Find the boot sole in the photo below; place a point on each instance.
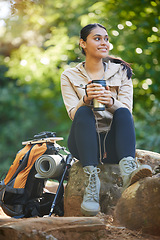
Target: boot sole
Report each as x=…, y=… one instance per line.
x=89, y=213
x=142, y=173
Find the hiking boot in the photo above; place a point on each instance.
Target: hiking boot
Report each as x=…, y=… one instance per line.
x=132, y=171
x=90, y=205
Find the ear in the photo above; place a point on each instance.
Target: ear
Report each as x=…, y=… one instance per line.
x=82, y=43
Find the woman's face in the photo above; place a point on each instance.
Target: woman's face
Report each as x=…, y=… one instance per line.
x=97, y=43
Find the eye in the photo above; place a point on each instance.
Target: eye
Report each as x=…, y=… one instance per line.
x=106, y=39
x=97, y=38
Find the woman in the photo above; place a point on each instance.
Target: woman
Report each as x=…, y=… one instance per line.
x=101, y=136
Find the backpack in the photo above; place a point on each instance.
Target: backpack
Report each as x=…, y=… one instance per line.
x=21, y=193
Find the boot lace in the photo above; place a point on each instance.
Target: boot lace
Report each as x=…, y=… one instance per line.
x=130, y=165
x=92, y=193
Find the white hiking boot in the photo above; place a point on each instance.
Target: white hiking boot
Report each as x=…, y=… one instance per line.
x=132, y=171
x=90, y=205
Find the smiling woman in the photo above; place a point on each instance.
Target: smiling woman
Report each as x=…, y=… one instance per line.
x=96, y=35
x=97, y=43
x=105, y=136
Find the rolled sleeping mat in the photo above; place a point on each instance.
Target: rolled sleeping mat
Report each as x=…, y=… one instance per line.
x=49, y=166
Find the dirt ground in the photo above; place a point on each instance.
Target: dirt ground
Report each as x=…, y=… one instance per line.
x=117, y=232
x=113, y=230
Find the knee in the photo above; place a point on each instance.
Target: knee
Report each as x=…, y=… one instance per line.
x=122, y=113
x=84, y=113
x=84, y=116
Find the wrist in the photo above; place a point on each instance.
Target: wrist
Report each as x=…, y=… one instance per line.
x=85, y=100
x=111, y=102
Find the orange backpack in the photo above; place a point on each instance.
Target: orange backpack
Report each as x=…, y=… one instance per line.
x=21, y=193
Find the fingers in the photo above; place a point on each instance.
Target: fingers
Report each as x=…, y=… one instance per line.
x=94, y=90
x=107, y=87
x=102, y=94
x=105, y=98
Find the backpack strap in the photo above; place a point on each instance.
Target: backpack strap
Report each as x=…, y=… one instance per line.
x=36, y=151
x=22, y=164
x=13, y=168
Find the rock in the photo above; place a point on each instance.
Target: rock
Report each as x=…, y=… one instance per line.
x=111, y=184
x=148, y=157
x=139, y=206
x=53, y=228
x=110, y=191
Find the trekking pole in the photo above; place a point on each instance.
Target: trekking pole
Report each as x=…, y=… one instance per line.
x=68, y=161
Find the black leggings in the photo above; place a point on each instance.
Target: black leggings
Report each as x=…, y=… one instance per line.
x=83, y=141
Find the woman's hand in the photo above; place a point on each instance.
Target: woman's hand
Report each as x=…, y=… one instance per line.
x=93, y=90
x=103, y=95
x=106, y=98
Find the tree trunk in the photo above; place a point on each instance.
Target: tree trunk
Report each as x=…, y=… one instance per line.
x=53, y=228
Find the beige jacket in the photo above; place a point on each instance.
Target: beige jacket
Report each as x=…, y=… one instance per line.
x=73, y=83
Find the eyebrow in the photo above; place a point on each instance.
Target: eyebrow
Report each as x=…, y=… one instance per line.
x=99, y=35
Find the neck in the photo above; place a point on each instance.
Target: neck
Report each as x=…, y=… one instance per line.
x=94, y=68
x=94, y=65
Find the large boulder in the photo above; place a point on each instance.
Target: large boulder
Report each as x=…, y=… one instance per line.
x=139, y=206
x=111, y=184
x=110, y=192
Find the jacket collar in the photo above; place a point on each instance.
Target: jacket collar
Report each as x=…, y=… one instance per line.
x=111, y=69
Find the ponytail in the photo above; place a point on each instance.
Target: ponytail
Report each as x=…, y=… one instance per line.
x=122, y=62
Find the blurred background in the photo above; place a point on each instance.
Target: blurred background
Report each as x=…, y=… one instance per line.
x=39, y=39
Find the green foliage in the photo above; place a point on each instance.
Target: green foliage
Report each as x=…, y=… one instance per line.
x=40, y=39
x=147, y=125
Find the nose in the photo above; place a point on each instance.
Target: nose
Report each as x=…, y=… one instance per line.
x=104, y=42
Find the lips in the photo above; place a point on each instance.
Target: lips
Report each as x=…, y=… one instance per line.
x=103, y=49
